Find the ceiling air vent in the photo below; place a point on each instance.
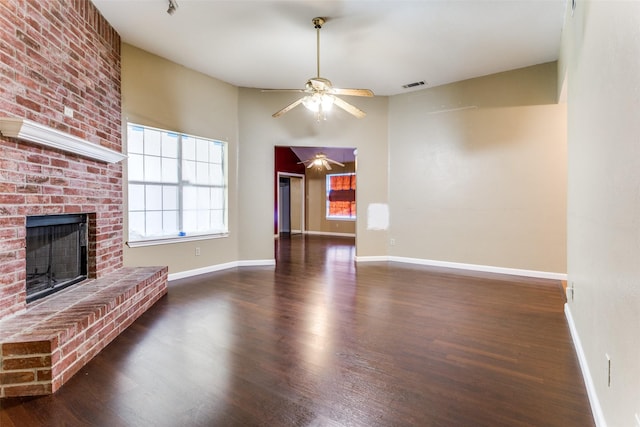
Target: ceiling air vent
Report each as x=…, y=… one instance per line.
x=414, y=84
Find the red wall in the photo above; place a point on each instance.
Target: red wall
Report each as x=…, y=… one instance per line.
x=285, y=161
x=58, y=53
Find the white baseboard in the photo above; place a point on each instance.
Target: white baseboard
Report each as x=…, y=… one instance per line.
x=218, y=267
x=256, y=262
x=596, y=409
x=371, y=258
x=328, y=233
x=462, y=266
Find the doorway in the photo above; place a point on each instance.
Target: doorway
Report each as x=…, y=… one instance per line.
x=290, y=203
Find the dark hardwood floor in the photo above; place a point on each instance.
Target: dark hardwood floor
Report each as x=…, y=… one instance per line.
x=321, y=342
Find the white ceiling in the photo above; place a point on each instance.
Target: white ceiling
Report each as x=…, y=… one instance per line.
x=379, y=45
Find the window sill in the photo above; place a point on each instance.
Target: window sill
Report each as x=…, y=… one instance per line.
x=337, y=218
x=177, y=239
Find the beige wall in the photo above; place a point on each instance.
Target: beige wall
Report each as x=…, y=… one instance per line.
x=601, y=51
x=260, y=133
x=483, y=185
x=317, y=201
x=159, y=93
x=478, y=172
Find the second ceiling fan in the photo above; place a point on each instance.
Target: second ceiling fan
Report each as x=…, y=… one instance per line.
x=320, y=160
x=320, y=93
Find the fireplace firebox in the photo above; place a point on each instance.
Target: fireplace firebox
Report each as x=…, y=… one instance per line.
x=56, y=253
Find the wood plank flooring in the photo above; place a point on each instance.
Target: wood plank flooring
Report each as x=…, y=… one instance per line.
x=320, y=341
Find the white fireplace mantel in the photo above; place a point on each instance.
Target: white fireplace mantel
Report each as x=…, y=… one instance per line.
x=44, y=135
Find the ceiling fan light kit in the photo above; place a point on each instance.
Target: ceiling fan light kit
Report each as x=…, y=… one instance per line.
x=318, y=103
x=320, y=92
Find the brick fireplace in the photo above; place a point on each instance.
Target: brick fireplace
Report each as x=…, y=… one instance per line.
x=60, y=68
x=54, y=55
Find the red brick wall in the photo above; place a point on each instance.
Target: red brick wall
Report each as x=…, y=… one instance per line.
x=57, y=53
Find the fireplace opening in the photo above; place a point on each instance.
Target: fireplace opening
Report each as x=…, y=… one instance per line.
x=56, y=247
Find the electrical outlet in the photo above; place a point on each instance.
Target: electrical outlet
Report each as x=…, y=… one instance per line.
x=392, y=242
x=608, y=369
x=198, y=251
x=68, y=112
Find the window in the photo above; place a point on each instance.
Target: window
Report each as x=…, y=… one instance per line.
x=341, y=196
x=177, y=185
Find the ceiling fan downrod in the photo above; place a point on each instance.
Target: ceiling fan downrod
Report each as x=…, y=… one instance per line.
x=317, y=24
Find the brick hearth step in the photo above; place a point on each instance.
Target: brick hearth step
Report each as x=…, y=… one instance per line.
x=41, y=348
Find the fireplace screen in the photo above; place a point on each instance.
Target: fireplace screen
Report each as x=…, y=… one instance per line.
x=56, y=253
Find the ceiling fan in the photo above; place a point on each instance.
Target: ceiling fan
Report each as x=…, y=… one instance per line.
x=320, y=93
x=320, y=160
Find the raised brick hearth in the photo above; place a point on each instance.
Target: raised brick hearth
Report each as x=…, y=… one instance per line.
x=43, y=347
x=57, y=56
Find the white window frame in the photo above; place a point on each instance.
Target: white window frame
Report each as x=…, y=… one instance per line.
x=180, y=182
x=327, y=186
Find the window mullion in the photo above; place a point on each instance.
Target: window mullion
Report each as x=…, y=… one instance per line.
x=180, y=187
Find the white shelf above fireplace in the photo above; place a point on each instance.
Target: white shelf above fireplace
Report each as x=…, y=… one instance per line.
x=40, y=134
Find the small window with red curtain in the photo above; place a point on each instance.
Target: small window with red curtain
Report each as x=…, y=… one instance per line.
x=341, y=196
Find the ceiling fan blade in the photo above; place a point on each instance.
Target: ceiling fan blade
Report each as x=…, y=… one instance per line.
x=310, y=165
x=326, y=164
x=282, y=90
x=351, y=109
x=335, y=162
x=288, y=107
x=352, y=92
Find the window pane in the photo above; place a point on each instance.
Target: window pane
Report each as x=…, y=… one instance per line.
x=170, y=222
x=189, y=171
x=135, y=139
x=136, y=225
x=152, y=169
x=189, y=221
x=136, y=197
x=217, y=219
x=170, y=145
x=169, y=198
x=202, y=173
x=169, y=170
x=153, y=198
x=217, y=198
x=203, y=220
x=204, y=198
x=152, y=142
x=217, y=177
x=202, y=150
x=154, y=223
x=188, y=148
x=215, y=153
x=189, y=198
x=135, y=167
